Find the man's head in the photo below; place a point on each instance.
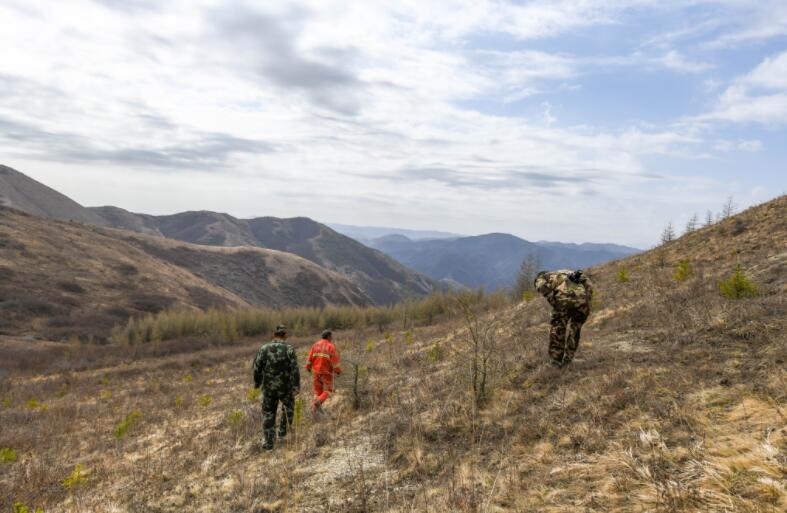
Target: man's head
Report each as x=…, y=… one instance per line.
x=281, y=331
x=326, y=334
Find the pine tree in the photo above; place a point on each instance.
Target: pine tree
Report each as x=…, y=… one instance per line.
x=728, y=209
x=708, y=218
x=668, y=234
x=526, y=276
x=691, y=225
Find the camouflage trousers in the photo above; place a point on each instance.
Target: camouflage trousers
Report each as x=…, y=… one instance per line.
x=270, y=405
x=564, y=334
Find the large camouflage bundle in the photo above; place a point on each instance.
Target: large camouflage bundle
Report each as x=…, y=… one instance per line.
x=563, y=292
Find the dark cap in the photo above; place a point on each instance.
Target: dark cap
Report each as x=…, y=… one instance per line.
x=326, y=334
x=281, y=330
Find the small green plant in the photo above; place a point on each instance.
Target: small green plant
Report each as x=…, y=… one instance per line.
x=188, y=378
x=235, y=417
x=253, y=395
x=408, y=338
x=62, y=391
x=21, y=508
x=179, y=401
x=369, y=346
x=8, y=455
x=623, y=275
x=683, y=271
x=105, y=380
x=435, y=353
x=738, y=286
x=297, y=412
x=33, y=404
x=127, y=423
x=105, y=395
x=77, y=478
x=6, y=403
x=205, y=400
x=528, y=296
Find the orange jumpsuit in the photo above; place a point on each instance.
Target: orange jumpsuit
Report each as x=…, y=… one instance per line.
x=323, y=361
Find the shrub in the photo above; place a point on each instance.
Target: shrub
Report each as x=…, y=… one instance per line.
x=683, y=271
x=205, y=400
x=408, y=338
x=297, y=412
x=6, y=403
x=179, y=401
x=21, y=508
x=33, y=404
x=253, y=395
x=738, y=286
x=369, y=346
x=623, y=275
x=435, y=353
x=235, y=417
x=528, y=296
x=8, y=455
x=188, y=378
x=77, y=478
x=127, y=423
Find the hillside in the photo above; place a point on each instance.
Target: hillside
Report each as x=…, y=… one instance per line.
x=23, y=193
x=380, y=277
x=676, y=402
x=493, y=260
x=60, y=278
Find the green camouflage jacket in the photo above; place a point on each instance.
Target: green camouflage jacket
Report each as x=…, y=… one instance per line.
x=563, y=293
x=276, y=368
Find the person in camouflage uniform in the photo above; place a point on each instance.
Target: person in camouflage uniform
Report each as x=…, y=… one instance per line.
x=276, y=372
x=569, y=293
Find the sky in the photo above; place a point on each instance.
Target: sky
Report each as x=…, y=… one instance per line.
x=569, y=120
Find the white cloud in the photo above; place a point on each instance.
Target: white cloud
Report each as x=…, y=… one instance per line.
x=759, y=96
x=359, y=112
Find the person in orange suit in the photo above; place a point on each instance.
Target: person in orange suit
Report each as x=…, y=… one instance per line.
x=323, y=363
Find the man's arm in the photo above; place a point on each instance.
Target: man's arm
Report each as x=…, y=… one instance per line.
x=335, y=360
x=310, y=360
x=258, y=367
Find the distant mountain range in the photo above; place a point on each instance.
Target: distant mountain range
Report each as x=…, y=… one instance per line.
x=385, y=265
x=491, y=261
x=367, y=234
x=379, y=278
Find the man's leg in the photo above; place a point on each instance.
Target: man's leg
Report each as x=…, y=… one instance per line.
x=317, y=392
x=574, y=331
x=288, y=411
x=270, y=403
x=557, y=336
x=327, y=387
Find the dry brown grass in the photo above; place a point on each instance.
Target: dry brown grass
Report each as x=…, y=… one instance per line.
x=676, y=402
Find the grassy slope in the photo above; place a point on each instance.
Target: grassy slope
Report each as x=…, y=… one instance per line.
x=60, y=278
x=676, y=402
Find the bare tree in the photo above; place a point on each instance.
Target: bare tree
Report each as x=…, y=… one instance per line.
x=527, y=274
x=691, y=225
x=482, y=349
x=728, y=209
x=668, y=234
x=708, y=218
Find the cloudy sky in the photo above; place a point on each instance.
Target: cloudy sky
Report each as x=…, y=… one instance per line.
x=575, y=120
